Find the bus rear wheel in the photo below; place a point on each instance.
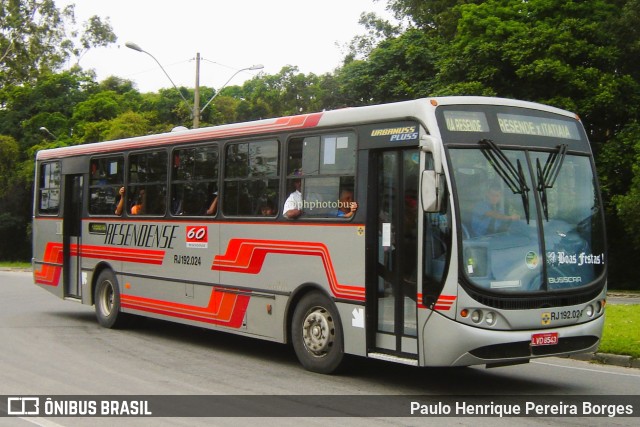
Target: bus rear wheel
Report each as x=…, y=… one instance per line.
x=317, y=334
x=107, y=301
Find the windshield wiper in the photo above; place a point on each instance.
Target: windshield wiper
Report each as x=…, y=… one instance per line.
x=512, y=176
x=547, y=176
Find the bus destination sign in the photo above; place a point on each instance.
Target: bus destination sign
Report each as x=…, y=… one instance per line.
x=466, y=121
x=538, y=126
x=515, y=124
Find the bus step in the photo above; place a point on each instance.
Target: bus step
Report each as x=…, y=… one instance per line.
x=75, y=299
x=395, y=359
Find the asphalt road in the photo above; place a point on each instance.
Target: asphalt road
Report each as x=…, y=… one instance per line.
x=55, y=347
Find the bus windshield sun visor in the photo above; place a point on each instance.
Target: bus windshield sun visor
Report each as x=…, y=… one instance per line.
x=547, y=175
x=513, y=177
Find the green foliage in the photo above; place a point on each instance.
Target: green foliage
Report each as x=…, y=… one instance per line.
x=621, y=333
x=100, y=106
x=126, y=125
x=95, y=34
x=37, y=38
x=9, y=154
x=30, y=35
x=14, y=244
x=623, y=180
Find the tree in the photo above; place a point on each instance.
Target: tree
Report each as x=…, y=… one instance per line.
x=37, y=38
x=223, y=110
x=48, y=102
x=126, y=125
x=95, y=34
x=14, y=244
x=31, y=36
x=167, y=107
x=9, y=155
x=553, y=51
x=378, y=30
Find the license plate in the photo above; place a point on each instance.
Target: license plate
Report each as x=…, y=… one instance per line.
x=549, y=338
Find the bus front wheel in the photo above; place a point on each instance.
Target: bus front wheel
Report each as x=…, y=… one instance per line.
x=317, y=334
x=107, y=301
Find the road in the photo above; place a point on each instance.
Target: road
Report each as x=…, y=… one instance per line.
x=55, y=347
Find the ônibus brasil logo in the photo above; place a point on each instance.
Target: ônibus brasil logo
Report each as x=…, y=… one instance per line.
x=197, y=236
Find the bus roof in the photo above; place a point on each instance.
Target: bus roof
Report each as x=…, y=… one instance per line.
x=413, y=109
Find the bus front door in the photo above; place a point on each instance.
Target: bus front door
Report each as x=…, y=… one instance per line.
x=72, y=235
x=392, y=291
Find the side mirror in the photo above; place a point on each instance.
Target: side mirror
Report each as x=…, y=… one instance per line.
x=431, y=144
x=431, y=191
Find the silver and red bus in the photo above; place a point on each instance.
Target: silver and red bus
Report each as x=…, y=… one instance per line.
x=476, y=236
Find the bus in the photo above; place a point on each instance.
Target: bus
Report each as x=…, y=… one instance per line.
x=445, y=231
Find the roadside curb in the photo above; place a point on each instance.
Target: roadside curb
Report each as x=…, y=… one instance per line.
x=608, y=359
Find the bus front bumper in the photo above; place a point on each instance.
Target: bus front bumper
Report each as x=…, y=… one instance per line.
x=457, y=344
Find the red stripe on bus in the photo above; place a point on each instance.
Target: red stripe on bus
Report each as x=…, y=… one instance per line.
x=246, y=256
x=224, y=308
x=145, y=256
x=445, y=302
x=49, y=275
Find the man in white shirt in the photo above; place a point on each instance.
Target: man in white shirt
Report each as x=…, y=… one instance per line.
x=293, y=205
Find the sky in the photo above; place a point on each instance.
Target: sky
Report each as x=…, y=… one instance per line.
x=229, y=35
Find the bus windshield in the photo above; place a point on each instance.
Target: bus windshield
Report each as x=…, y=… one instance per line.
x=504, y=233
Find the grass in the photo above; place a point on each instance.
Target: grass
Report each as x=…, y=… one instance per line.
x=15, y=264
x=621, y=330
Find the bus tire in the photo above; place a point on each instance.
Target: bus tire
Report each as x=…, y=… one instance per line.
x=317, y=334
x=107, y=301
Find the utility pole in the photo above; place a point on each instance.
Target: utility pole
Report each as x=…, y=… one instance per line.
x=196, y=95
x=195, y=111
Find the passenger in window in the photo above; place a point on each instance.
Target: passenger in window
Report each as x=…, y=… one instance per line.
x=138, y=207
x=268, y=209
x=95, y=174
x=176, y=206
x=347, y=207
x=120, y=205
x=293, y=205
x=213, y=208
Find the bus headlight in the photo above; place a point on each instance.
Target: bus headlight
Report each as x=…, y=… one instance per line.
x=589, y=310
x=476, y=316
x=490, y=318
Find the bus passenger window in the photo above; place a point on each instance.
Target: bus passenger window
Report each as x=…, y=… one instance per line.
x=251, y=178
x=147, y=189
x=325, y=167
x=194, y=181
x=105, y=181
x=49, y=191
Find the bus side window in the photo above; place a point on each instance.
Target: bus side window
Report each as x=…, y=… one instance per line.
x=325, y=165
x=49, y=188
x=194, y=181
x=106, y=179
x=251, y=182
x=147, y=191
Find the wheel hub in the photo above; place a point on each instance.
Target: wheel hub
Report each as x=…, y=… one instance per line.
x=318, y=331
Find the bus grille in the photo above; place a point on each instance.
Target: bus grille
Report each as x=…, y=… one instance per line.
x=532, y=302
x=524, y=349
